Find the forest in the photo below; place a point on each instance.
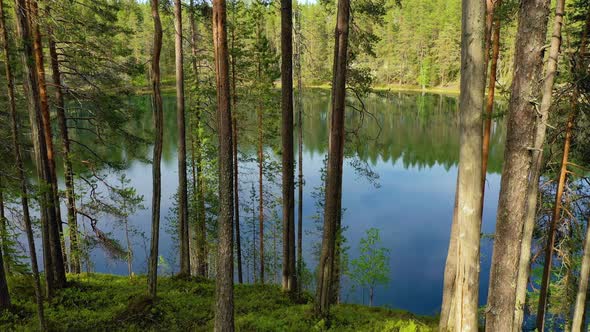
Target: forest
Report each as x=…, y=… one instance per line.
x=266, y=165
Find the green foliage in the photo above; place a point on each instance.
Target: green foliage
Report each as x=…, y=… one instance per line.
x=107, y=302
x=371, y=268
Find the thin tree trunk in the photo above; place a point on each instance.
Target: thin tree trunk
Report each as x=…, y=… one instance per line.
x=495, y=42
x=157, y=155
x=289, y=271
x=55, y=226
x=468, y=223
x=335, y=161
x=261, y=192
x=65, y=141
x=555, y=218
x=4, y=230
x=583, y=285
x=235, y=160
x=528, y=67
x=180, y=122
x=299, y=46
x=4, y=294
x=201, y=230
x=224, y=308
x=19, y=164
x=32, y=96
x=537, y=162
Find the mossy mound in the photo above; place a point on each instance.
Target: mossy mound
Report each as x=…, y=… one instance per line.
x=101, y=302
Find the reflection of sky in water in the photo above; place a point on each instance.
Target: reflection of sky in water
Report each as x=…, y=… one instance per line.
x=412, y=209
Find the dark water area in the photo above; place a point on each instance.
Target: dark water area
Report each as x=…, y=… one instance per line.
x=411, y=142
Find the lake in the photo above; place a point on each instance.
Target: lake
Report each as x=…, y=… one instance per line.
x=411, y=142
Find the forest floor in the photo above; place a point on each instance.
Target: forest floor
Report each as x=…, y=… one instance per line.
x=104, y=302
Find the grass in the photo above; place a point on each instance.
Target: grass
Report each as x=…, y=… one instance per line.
x=101, y=302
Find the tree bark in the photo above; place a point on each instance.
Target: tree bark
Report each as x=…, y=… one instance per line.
x=537, y=164
x=235, y=155
x=583, y=285
x=468, y=224
x=32, y=96
x=224, y=313
x=299, y=46
x=335, y=161
x=55, y=226
x=75, y=264
x=450, y=274
x=289, y=271
x=528, y=65
x=555, y=218
x=19, y=162
x=201, y=230
x=495, y=42
x=180, y=122
x=261, y=192
x=157, y=154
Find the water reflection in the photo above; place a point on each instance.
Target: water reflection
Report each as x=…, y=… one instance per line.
x=414, y=147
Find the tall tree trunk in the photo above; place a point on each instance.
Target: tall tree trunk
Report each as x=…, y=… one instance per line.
x=19, y=163
x=468, y=222
x=235, y=155
x=180, y=122
x=495, y=42
x=55, y=226
x=528, y=67
x=335, y=161
x=32, y=96
x=201, y=230
x=289, y=271
x=537, y=163
x=224, y=307
x=583, y=285
x=261, y=191
x=157, y=155
x=65, y=141
x=299, y=47
x=555, y=218
x=4, y=294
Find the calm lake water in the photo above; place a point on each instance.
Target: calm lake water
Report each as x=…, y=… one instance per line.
x=412, y=143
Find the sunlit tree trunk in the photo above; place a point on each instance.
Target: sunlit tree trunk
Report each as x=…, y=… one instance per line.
x=180, y=122
x=65, y=141
x=224, y=298
x=555, y=218
x=32, y=97
x=450, y=274
x=583, y=285
x=55, y=226
x=157, y=154
x=495, y=46
x=289, y=271
x=468, y=212
x=22, y=178
x=537, y=164
x=528, y=68
x=335, y=161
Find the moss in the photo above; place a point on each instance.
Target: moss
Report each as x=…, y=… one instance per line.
x=107, y=302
